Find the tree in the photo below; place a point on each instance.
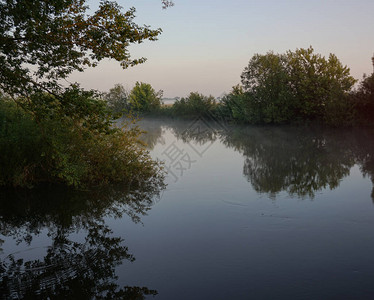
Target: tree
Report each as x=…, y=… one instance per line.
x=363, y=99
x=194, y=105
x=318, y=84
x=296, y=85
x=265, y=81
x=41, y=43
x=117, y=98
x=233, y=105
x=143, y=98
x=44, y=41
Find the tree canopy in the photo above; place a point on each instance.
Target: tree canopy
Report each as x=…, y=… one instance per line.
x=117, y=98
x=73, y=139
x=297, y=84
x=43, y=41
x=364, y=98
x=144, y=98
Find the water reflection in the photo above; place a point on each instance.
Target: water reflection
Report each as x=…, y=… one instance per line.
x=153, y=133
x=299, y=161
x=83, y=253
x=364, y=153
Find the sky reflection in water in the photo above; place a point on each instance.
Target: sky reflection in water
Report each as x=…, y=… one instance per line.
x=250, y=212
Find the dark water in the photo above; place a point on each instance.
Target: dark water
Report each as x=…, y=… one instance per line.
x=248, y=213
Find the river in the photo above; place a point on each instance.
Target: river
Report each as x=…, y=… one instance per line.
x=246, y=212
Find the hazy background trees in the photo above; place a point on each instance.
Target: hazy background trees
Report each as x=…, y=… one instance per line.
x=195, y=104
x=118, y=99
x=73, y=138
x=144, y=98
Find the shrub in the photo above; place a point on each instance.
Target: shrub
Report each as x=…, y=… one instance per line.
x=194, y=105
x=117, y=99
x=21, y=146
x=75, y=145
x=143, y=98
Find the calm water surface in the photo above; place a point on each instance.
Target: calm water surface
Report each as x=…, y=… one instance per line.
x=247, y=213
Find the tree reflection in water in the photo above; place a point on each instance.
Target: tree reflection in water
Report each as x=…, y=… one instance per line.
x=297, y=161
x=300, y=161
x=71, y=269
x=364, y=151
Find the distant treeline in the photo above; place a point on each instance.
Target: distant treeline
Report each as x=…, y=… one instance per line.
x=296, y=87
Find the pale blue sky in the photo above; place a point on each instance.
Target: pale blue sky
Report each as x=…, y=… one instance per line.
x=206, y=44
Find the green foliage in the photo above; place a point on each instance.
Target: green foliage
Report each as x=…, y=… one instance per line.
x=80, y=148
x=316, y=82
x=21, y=145
x=117, y=99
x=143, y=98
x=194, y=105
x=58, y=37
x=291, y=87
x=65, y=134
x=266, y=85
x=244, y=108
x=363, y=100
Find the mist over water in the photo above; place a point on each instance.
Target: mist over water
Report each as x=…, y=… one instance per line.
x=248, y=212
